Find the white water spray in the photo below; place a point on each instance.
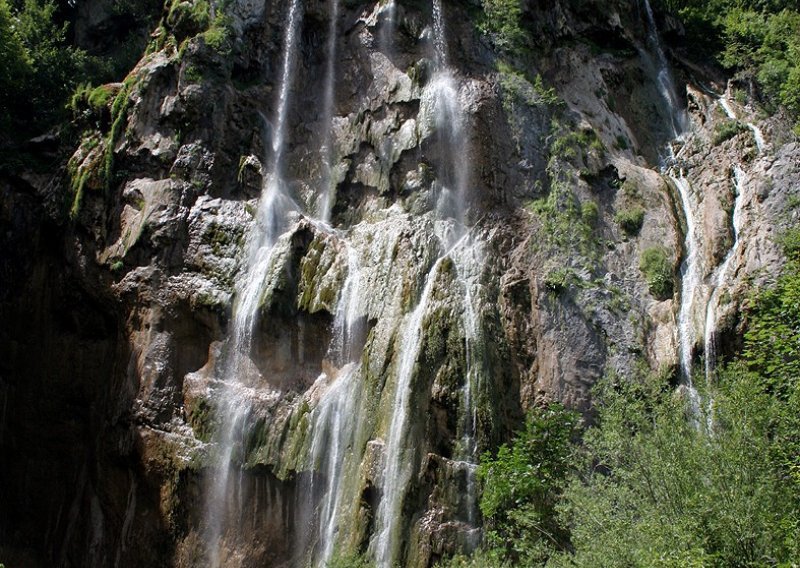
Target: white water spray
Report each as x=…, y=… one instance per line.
x=397, y=467
x=328, y=183
x=235, y=400
x=722, y=275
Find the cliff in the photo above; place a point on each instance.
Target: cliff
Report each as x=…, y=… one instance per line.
x=433, y=229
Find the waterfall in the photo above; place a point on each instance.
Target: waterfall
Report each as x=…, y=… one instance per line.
x=664, y=79
x=468, y=265
x=722, y=275
x=234, y=401
x=328, y=181
x=691, y=275
x=397, y=466
x=386, y=33
x=334, y=418
x=451, y=203
x=454, y=177
x=691, y=267
x=758, y=135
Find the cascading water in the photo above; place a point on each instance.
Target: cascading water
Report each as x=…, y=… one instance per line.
x=334, y=418
x=663, y=75
x=691, y=276
x=722, y=275
x=234, y=400
x=452, y=187
x=328, y=181
x=389, y=16
x=758, y=135
x=691, y=267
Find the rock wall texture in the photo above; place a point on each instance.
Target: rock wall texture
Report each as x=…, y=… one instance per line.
x=115, y=318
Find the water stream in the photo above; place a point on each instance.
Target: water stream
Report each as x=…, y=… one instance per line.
x=327, y=150
x=335, y=416
x=234, y=402
x=664, y=79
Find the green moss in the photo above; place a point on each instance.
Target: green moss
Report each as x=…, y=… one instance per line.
x=559, y=280
x=657, y=269
x=119, y=115
x=630, y=220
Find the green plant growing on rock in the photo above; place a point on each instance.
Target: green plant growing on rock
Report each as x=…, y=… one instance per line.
x=726, y=130
x=656, y=266
x=630, y=220
x=502, y=23
x=522, y=485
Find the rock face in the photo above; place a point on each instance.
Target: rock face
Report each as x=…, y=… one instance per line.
x=116, y=322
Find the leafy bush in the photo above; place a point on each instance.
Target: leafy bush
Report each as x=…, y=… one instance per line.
x=502, y=23
x=523, y=484
x=657, y=269
x=759, y=40
x=630, y=220
x=657, y=490
x=726, y=130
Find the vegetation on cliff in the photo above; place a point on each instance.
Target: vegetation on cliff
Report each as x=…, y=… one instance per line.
x=757, y=40
x=660, y=480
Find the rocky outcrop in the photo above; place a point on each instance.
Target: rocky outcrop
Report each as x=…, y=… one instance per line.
x=132, y=298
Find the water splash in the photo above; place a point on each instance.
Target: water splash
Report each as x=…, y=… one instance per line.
x=236, y=397
x=334, y=418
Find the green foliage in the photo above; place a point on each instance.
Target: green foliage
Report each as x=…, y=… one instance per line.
x=559, y=279
x=657, y=490
x=349, y=561
x=590, y=213
x=523, y=484
x=630, y=220
x=657, y=269
x=502, y=23
x=187, y=18
x=726, y=130
x=757, y=39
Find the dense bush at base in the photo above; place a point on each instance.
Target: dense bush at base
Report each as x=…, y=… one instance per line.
x=666, y=477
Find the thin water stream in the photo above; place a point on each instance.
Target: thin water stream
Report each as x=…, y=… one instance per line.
x=234, y=402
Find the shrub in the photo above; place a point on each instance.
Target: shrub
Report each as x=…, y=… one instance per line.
x=657, y=269
x=502, y=23
x=630, y=220
x=590, y=212
x=523, y=483
x=727, y=130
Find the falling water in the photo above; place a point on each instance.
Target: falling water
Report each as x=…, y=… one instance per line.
x=273, y=209
x=722, y=275
x=450, y=124
x=334, y=418
x=397, y=466
x=389, y=15
x=761, y=143
x=664, y=77
x=469, y=260
x=691, y=276
x=328, y=182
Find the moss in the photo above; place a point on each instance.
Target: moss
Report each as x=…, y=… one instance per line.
x=119, y=115
x=657, y=269
x=630, y=220
x=200, y=415
x=187, y=18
